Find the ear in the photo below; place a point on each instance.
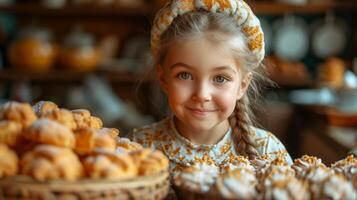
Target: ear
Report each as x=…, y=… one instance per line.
x=161, y=77
x=244, y=84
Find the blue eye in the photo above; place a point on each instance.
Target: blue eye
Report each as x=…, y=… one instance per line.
x=220, y=79
x=184, y=76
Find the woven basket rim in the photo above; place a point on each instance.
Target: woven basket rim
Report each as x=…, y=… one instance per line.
x=85, y=184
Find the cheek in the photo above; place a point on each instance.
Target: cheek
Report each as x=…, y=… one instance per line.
x=178, y=93
x=226, y=99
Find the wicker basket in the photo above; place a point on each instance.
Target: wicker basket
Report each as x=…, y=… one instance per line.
x=148, y=187
x=184, y=194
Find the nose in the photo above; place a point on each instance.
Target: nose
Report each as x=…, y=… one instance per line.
x=202, y=92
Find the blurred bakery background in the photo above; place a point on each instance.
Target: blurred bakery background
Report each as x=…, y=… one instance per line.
x=95, y=54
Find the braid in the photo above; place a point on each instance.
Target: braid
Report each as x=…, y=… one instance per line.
x=241, y=124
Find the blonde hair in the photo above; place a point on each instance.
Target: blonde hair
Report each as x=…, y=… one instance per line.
x=222, y=29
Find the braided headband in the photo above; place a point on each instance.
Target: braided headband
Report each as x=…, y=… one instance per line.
x=238, y=9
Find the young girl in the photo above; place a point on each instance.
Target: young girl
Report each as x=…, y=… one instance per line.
x=208, y=54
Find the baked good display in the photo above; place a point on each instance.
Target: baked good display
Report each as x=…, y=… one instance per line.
x=126, y=145
x=149, y=161
x=48, y=162
x=19, y=112
x=45, y=131
x=237, y=184
x=62, y=116
x=108, y=165
x=8, y=161
x=347, y=166
x=47, y=152
x=10, y=132
x=42, y=107
x=83, y=118
x=88, y=139
x=59, y=138
x=301, y=165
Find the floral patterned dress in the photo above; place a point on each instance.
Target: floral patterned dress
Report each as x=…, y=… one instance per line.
x=182, y=153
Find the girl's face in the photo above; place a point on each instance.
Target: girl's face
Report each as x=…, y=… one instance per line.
x=202, y=82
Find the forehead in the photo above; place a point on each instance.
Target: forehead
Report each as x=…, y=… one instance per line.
x=200, y=52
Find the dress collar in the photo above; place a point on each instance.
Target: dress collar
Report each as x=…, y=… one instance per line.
x=192, y=145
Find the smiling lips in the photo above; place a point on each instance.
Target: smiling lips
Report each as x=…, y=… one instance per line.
x=200, y=112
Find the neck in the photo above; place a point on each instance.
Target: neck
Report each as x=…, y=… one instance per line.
x=211, y=136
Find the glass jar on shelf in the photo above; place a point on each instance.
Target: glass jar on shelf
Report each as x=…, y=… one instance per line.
x=32, y=50
x=78, y=52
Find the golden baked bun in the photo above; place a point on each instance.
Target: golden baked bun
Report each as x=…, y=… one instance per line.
x=8, y=161
x=10, y=132
x=128, y=145
x=88, y=139
x=19, y=112
x=108, y=165
x=95, y=122
x=149, y=161
x=113, y=132
x=62, y=116
x=42, y=107
x=331, y=72
x=83, y=118
x=45, y=131
x=48, y=162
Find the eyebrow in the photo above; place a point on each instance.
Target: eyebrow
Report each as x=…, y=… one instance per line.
x=179, y=64
x=215, y=69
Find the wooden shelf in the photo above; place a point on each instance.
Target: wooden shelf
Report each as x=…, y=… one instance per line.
x=31, y=9
x=311, y=8
x=69, y=76
x=292, y=81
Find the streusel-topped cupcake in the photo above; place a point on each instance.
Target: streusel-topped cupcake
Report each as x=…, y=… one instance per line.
x=260, y=165
x=347, y=166
x=237, y=184
x=198, y=178
x=280, y=167
x=337, y=187
x=316, y=176
x=239, y=163
x=301, y=165
x=284, y=188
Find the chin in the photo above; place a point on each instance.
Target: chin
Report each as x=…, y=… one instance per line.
x=201, y=126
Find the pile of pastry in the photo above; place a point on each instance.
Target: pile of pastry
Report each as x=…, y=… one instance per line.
x=50, y=143
x=307, y=178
